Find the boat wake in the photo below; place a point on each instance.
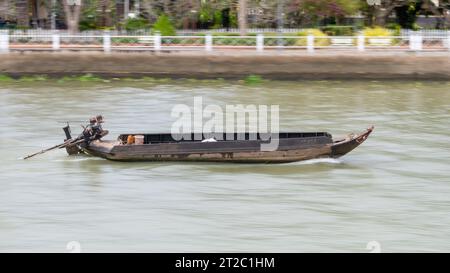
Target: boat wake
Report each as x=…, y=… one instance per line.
x=317, y=161
x=79, y=159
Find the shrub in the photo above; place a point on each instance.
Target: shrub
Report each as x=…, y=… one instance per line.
x=316, y=33
x=338, y=30
x=377, y=31
x=89, y=78
x=235, y=41
x=225, y=34
x=164, y=26
x=275, y=41
x=253, y=79
x=24, y=39
x=133, y=24
x=217, y=19
x=5, y=78
x=395, y=29
x=415, y=27
x=381, y=32
x=124, y=40
x=87, y=25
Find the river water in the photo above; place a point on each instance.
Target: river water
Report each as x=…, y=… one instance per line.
x=394, y=189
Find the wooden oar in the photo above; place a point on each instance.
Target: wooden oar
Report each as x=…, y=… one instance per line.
x=60, y=146
x=69, y=142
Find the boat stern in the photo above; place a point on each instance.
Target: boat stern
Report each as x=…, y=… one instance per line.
x=100, y=148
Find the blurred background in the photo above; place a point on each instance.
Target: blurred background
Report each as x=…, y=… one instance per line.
x=339, y=17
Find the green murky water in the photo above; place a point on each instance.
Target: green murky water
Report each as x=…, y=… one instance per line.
x=394, y=189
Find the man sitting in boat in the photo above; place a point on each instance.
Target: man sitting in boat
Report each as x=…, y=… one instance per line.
x=94, y=130
x=97, y=129
x=89, y=130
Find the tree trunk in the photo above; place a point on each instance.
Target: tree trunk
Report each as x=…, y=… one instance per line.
x=148, y=7
x=35, y=13
x=126, y=9
x=166, y=7
x=22, y=13
x=242, y=17
x=383, y=12
x=381, y=15
x=430, y=5
x=105, y=19
x=380, y=18
x=72, y=16
x=119, y=13
x=53, y=15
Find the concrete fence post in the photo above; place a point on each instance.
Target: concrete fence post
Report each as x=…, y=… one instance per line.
x=415, y=42
x=56, y=41
x=310, y=43
x=419, y=42
x=4, y=41
x=260, y=42
x=106, y=42
x=448, y=40
x=157, y=43
x=208, y=42
x=412, y=42
x=361, y=42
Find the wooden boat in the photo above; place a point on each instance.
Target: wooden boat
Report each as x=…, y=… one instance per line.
x=163, y=147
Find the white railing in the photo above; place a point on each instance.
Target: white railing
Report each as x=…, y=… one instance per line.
x=426, y=32
x=109, y=42
x=236, y=30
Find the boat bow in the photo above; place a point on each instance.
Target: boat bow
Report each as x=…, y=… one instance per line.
x=342, y=147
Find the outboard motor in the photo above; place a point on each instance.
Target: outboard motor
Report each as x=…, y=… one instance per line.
x=71, y=149
x=67, y=131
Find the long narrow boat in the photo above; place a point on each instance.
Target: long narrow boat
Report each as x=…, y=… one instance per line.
x=163, y=147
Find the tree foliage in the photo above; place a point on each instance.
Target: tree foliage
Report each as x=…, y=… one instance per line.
x=330, y=8
x=101, y=14
x=164, y=26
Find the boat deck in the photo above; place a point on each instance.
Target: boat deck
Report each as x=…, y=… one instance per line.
x=198, y=137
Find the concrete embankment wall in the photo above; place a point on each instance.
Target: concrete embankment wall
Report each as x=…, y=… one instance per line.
x=423, y=66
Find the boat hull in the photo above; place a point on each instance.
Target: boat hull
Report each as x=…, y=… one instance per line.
x=289, y=150
x=235, y=156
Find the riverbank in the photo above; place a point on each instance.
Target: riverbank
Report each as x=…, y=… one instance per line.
x=230, y=65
